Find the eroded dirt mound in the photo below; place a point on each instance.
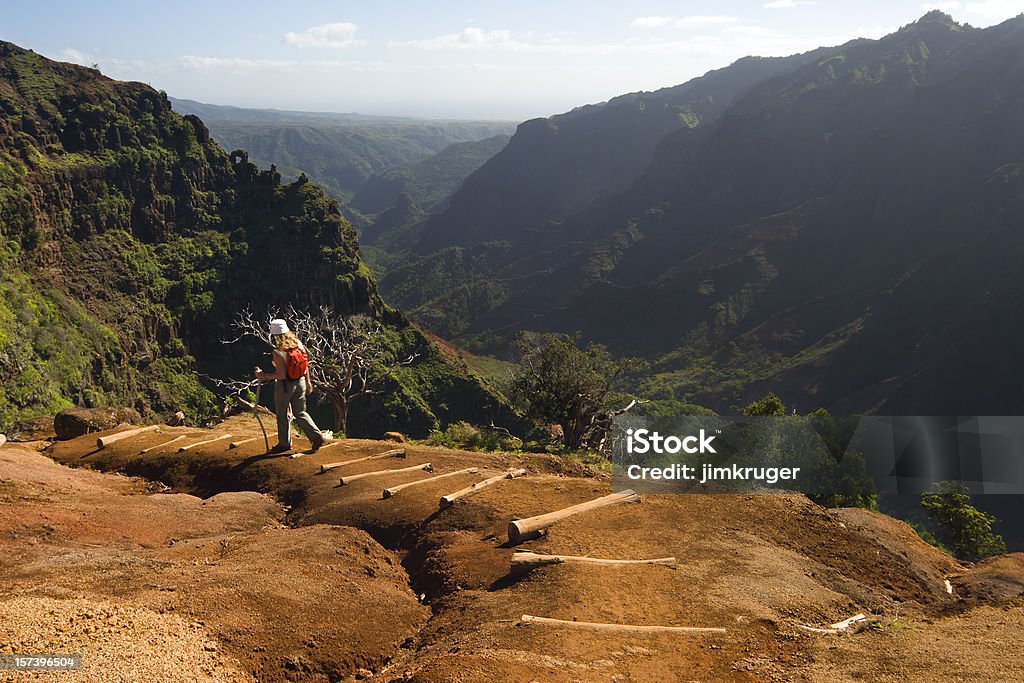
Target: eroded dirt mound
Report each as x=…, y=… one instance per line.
x=759, y=566
x=274, y=602
x=995, y=580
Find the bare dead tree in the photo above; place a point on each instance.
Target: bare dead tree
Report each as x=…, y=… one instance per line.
x=602, y=426
x=241, y=394
x=349, y=356
x=237, y=393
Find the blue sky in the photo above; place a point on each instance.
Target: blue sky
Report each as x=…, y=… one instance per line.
x=511, y=60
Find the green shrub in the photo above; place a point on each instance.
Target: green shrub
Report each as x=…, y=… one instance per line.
x=963, y=527
x=465, y=436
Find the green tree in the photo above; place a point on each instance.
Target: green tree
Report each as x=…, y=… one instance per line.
x=832, y=473
x=561, y=383
x=769, y=406
x=963, y=527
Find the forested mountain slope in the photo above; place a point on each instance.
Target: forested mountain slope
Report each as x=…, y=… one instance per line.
x=846, y=232
x=129, y=240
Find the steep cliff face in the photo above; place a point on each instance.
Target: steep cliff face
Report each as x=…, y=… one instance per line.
x=507, y=212
x=554, y=167
x=842, y=233
x=129, y=239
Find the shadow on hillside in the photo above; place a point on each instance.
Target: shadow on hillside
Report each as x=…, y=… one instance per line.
x=252, y=459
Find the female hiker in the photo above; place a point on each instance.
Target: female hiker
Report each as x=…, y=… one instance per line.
x=292, y=385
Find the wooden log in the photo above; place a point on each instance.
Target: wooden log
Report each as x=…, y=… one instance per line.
x=105, y=441
x=846, y=623
x=837, y=627
x=356, y=477
x=395, y=489
x=524, y=561
x=447, y=501
x=236, y=444
x=394, y=453
x=203, y=443
x=3, y=439
x=629, y=628
x=520, y=530
x=165, y=443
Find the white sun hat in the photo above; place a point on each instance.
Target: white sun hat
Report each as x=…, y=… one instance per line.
x=279, y=326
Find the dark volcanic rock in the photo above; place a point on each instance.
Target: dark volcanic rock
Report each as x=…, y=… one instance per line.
x=35, y=429
x=78, y=421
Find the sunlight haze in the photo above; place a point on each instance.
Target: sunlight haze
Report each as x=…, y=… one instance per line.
x=453, y=59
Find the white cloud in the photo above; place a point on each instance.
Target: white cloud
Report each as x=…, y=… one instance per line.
x=650, y=22
x=83, y=58
x=696, y=21
x=984, y=12
x=470, y=37
x=337, y=35
x=789, y=4
x=701, y=21
x=75, y=56
x=995, y=10
x=240, y=64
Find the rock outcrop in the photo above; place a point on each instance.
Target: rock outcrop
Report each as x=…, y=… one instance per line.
x=78, y=421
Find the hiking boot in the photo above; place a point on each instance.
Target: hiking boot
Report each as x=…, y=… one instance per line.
x=324, y=440
x=279, y=449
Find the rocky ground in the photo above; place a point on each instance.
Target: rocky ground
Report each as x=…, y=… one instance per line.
x=224, y=564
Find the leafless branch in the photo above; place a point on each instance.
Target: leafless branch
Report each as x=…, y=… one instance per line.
x=349, y=356
x=501, y=429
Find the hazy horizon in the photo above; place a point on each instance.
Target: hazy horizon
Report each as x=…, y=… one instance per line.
x=457, y=60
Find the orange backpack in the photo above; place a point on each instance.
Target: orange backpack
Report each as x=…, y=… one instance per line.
x=297, y=362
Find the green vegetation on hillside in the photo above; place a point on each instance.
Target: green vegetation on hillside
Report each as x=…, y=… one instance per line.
x=129, y=239
x=337, y=151
x=429, y=181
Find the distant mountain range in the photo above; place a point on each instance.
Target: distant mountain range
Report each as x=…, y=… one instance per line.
x=342, y=151
x=843, y=227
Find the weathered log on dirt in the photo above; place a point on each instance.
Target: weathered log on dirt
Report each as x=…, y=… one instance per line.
x=619, y=628
x=524, y=561
x=105, y=441
x=395, y=453
x=427, y=467
x=520, y=530
x=838, y=627
x=203, y=443
x=236, y=444
x=395, y=489
x=3, y=439
x=447, y=501
x=165, y=443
